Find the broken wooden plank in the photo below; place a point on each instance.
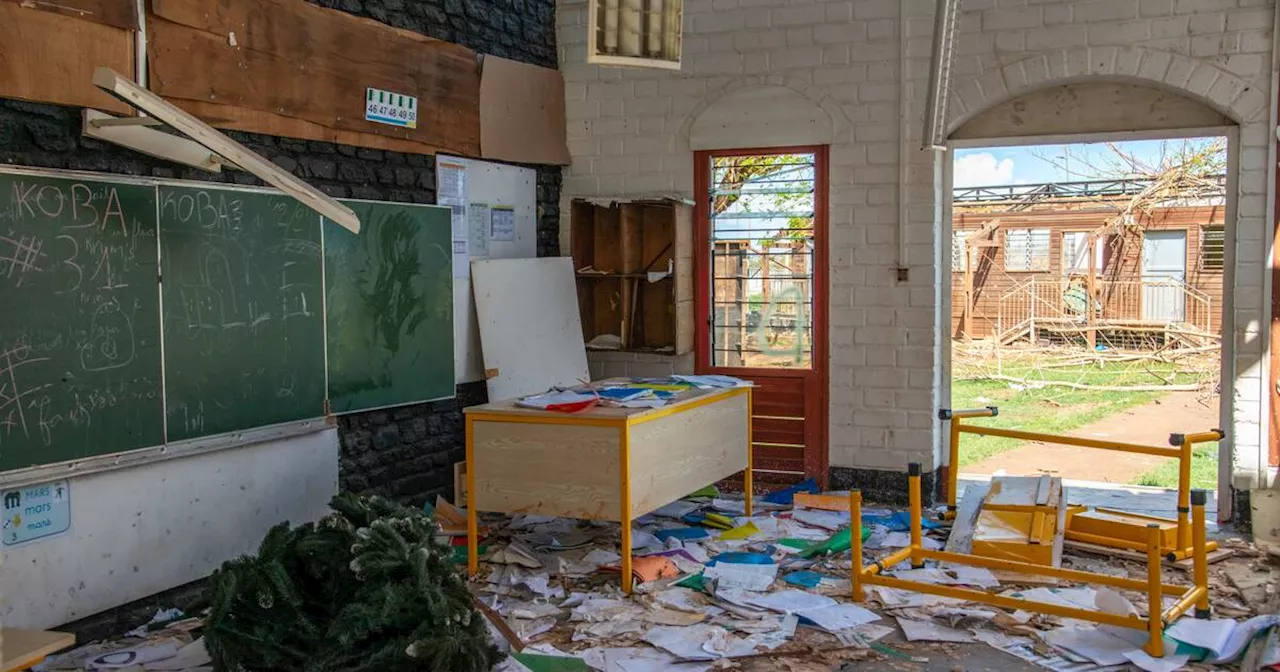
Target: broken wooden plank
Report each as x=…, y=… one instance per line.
x=291, y=58
x=50, y=58
x=124, y=88
x=21, y=649
x=115, y=13
x=1185, y=565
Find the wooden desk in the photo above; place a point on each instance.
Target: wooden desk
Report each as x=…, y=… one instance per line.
x=20, y=649
x=613, y=464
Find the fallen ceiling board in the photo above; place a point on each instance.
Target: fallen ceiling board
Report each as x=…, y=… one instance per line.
x=50, y=58
x=117, y=13
x=530, y=330
x=522, y=117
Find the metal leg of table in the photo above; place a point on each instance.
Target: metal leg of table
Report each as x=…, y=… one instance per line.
x=624, y=468
x=473, y=532
x=747, y=481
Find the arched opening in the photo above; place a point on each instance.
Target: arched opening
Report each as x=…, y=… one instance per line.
x=1018, y=242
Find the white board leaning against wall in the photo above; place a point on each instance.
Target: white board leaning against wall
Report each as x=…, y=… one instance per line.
x=495, y=216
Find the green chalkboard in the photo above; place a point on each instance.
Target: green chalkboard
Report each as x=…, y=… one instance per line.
x=243, y=310
x=79, y=320
x=389, y=293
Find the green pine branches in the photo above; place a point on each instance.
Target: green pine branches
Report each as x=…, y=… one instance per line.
x=366, y=589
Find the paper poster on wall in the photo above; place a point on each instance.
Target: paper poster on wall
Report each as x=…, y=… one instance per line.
x=461, y=259
x=451, y=190
x=503, y=223
x=478, y=224
x=35, y=512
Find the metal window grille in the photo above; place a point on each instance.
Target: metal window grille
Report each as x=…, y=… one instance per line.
x=762, y=212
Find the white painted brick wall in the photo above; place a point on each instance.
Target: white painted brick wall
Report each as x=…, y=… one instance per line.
x=627, y=137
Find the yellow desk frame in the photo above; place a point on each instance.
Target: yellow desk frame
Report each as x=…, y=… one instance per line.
x=1181, y=449
x=610, y=464
x=1196, y=595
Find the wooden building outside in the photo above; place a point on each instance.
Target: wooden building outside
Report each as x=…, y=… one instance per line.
x=1024, y=253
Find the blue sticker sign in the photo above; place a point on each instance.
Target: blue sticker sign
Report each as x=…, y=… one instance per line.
x=34, y=512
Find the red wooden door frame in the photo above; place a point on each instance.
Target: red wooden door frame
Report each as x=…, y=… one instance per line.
x=815, y=379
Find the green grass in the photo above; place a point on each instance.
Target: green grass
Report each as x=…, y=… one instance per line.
x=1204, y=471
x=1053, y=410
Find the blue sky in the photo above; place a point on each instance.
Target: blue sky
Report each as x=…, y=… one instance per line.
x=1057, y=163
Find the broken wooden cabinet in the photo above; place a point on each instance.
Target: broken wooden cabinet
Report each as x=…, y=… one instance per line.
x=634, y=262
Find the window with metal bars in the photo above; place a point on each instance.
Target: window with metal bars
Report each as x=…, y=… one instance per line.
x=1212, y=247
x=1026, y=250
x=761, y=210
x=641, y=33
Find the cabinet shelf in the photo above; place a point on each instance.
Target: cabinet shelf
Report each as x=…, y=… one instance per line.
x=634, y=238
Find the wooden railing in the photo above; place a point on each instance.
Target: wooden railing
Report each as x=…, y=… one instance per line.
x=1060, y=304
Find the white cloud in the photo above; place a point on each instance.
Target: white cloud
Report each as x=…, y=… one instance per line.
x=979, y=170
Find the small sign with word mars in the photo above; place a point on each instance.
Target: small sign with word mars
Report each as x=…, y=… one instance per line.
x=34, y=512
x=395, y=109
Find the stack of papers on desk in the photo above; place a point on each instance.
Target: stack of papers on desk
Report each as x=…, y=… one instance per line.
x=555, y=401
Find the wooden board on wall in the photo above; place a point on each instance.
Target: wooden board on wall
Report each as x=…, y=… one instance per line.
x=50, y=58
x=235, y=118
x=522, y=115
x=291, y=58
x=118, y=13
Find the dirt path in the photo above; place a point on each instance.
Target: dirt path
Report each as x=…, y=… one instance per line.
x=1149, y=424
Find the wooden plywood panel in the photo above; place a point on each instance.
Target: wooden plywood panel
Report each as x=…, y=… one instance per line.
x=20, y=649
x=117, y=13
x=294, y=59
x=530, y=331
x=659, y=329
x=256, y=121
x=50, y=58
x=557, y=470
x=522, y=114
x=677, y=454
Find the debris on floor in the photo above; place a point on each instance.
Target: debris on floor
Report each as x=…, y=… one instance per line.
x=719, y=590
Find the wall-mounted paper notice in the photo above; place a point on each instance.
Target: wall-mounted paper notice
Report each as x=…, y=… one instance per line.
x=503, y=223
x=478, y=225
x=461, y=260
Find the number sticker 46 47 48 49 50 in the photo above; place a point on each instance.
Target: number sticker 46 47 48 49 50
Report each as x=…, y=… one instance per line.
x=394, y=109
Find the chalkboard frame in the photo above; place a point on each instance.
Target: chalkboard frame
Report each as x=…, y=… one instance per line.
x=187, y=447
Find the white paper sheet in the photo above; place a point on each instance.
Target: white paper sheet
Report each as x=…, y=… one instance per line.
x=839, y=617
x=738, y=576
x=1211, y=635
x=1169, y=663
x=792, y=601
x=1097, y=645
x=928, y=631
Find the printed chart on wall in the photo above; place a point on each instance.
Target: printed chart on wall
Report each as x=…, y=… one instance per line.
x=451, y=191
x=80, y=333
x=389, y=307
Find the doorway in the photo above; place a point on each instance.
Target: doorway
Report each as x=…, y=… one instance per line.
x=1087, y=299
x=761, y=296
x=1164, y=271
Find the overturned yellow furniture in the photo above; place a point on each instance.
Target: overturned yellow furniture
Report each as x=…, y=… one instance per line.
x=1020, y=518
x=1103, y=527
x=1195, y=596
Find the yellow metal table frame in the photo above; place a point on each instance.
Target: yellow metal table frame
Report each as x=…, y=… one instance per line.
x=1196, y=595
x=1181, y=446
x=624, y=426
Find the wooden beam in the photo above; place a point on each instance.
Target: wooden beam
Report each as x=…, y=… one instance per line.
x=150, y=141
x=125, y=89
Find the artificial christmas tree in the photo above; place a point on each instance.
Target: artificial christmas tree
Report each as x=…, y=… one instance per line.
x=366, y=589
